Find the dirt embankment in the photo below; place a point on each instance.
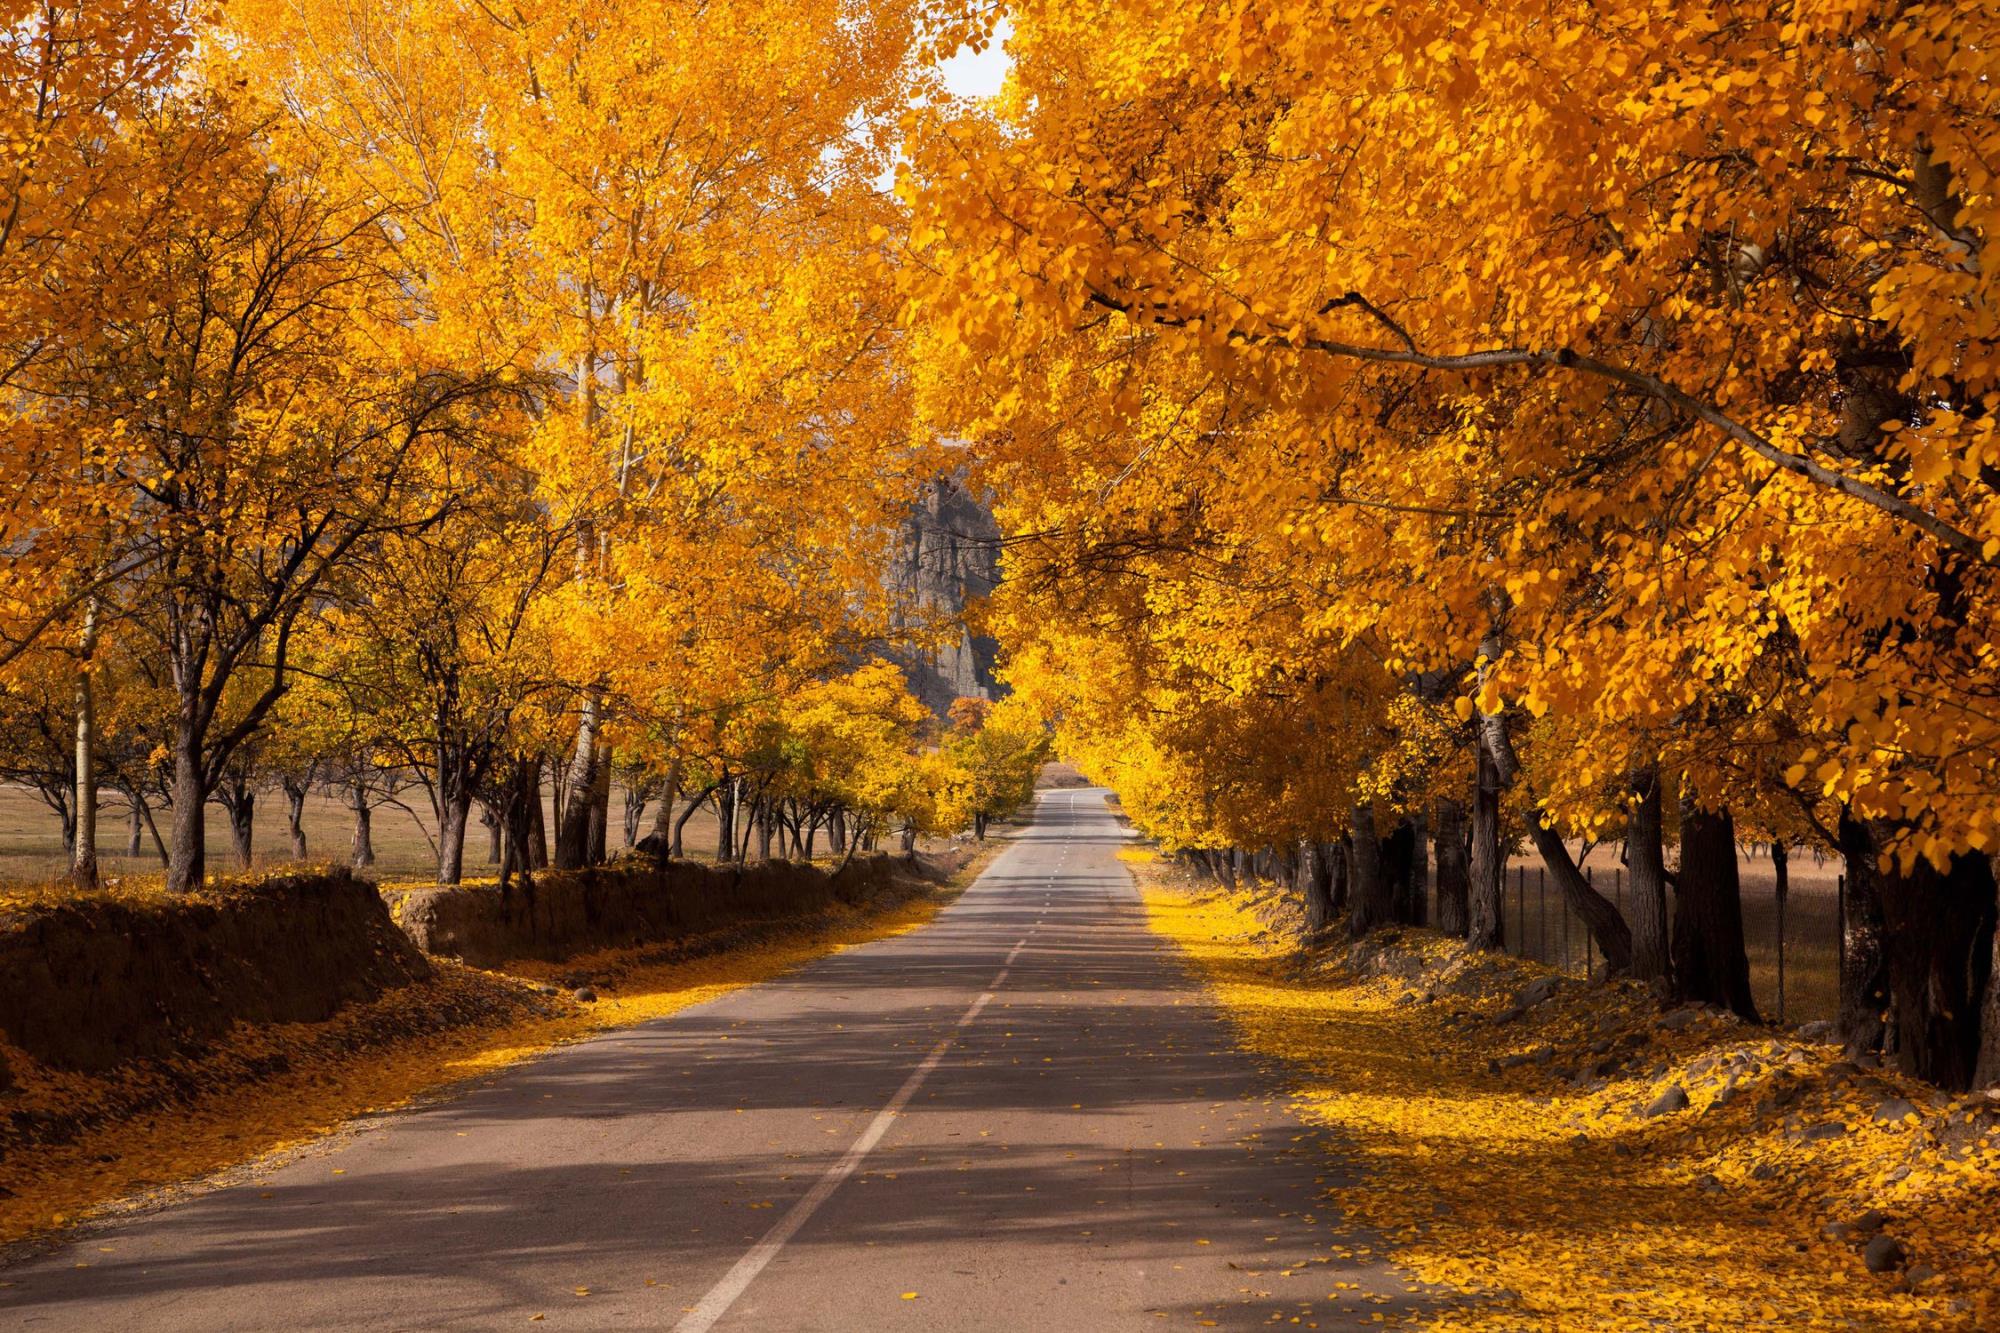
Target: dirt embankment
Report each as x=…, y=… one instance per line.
x=1501, y=1120
x=92, y=983
x=639, y=901
x=154, y=1040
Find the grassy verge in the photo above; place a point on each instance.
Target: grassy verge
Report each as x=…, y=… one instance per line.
x=1590, y=1162
x=157, y=1128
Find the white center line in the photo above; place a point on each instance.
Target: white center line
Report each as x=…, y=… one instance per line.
x=724, y=1293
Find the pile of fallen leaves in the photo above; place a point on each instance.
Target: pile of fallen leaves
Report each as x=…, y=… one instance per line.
x=1578, y=1156
x=75, y=1144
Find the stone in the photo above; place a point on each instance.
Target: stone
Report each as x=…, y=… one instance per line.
x=1868, y=1223
x=1820, y=1031
x=1919, y=1275
x=1895, y=1111
x=1679, y=1019
x=1885, y=1254
x=1670, y=1102
x=1832, y=1129
x=1539, y=991
x=1509, y=1016
x=585, y=994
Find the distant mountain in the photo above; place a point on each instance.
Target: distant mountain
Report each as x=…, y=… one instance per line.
x=949, y=554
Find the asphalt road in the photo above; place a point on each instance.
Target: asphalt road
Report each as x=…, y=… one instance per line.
x=1023, y=1117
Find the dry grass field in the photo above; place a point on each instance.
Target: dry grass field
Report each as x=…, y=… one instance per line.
x=31, y=847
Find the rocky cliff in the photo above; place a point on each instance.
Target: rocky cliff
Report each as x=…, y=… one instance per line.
x=949, y=555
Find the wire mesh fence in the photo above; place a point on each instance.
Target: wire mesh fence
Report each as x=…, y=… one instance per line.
x=1793, y=942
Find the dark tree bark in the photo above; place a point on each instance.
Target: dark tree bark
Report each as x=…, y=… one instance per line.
x=1645, y=860
x=135, y=830
x=725, y=820
x=1600, y=916
x=1710, y=965
x=453, y=819
x=490, y=820
x=238, y=796
x=1864, y=963
x=295, y=814
x=1986, y=1073
x=1413, y=897
x=520, y=801
x=361, y=853
x=574, y=820
x=1939, y=940
x=597, y=848
x=537, y=847
x=1318, y=873
x=1454, y=882
x=1381, y=871
x=1486, y=869
x=635, y=811
x=187, y=867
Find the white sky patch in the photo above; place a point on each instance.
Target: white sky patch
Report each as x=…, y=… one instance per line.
x=979, y=73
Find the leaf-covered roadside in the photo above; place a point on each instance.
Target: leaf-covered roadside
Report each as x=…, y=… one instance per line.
x=271, y=1089
x=1516, y=1159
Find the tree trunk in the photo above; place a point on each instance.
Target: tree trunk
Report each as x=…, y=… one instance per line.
x=1986, y=1074
x=979, y=825
x=1413, y=899
x=635, y=811
x=242, y=809
x=361, y=852
x=1453, y=875
x=1316, y=882
x=765, y=830
x=1375, y=869
x=725, y=820
x=83, y=848
x=187, y=859
x=295, y=814
x=135, y=831
x=1645, y=859
x=573, y=823
x=1600, y=916
x=1486, y=869
x=679, y=851
x=1939, y=936
x=1864, y=963
x=1709, y=963
x=454, y=814
x=836, y=832
x=536, y=848
x=598, y=850
x=490, y=819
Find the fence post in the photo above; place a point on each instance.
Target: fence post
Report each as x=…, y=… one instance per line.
x=1782, y=880
x=1542, y=915
x=1589, y=947
x=1840, y=927
x=1521, y=911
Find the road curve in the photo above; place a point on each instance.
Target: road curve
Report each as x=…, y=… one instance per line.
x=1024, y=1117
